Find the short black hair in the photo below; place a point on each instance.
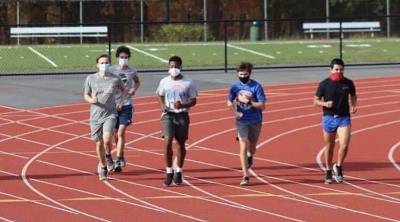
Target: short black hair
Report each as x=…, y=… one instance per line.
x=123, y=49
x=337, y=61
x=176, y=59
x=103, y=56
x=244, y=66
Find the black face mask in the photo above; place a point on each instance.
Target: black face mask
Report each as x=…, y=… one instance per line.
x=244, y=79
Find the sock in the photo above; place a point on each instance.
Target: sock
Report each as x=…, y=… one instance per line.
x=178, y=170
x=169, y=170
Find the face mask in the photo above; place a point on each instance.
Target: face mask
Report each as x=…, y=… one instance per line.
x=103, y=68
x=336, y=76
x=123, y=62
x=174, y=72
x=244, y=79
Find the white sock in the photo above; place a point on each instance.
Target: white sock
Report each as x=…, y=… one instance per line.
x=178, y=170
x=169, y=170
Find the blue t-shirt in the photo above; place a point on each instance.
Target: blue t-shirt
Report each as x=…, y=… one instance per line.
x=255, y=92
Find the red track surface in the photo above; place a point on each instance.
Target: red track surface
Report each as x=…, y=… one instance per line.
x=47, y=164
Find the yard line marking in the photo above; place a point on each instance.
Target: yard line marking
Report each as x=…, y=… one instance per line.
x=148, y=54
x=43, y=56
x=251, y=51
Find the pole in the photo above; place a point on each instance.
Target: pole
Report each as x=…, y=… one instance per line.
x=18, y=21
x=81, y=18
x=327, y=17
x=388, y=18
x=226, y=46
x=141, y=22
x=205, y=20
x=265, y=20
x=341, y=40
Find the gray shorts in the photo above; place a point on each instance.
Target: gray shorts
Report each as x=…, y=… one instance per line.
x=249, y=131
x=98, y=128
x=175, y=125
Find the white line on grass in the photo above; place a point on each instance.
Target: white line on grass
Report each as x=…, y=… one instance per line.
x=251, y=51
x=43, y=56
x=148, y=54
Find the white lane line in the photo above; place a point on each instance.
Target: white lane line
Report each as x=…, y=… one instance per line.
x=5, y=219
x=148, y=54
x=43, y=56
x=391, y=154
x=251, y=51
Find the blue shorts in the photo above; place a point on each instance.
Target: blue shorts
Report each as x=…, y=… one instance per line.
x=125, y=116
x=331, y=123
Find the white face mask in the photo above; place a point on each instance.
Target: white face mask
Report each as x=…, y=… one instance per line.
x=174, y=72
x=123, y=62
x=103, y=68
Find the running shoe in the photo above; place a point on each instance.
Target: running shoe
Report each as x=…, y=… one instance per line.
x=110, y=163
x=178, y=178
x=328, y=177
x=338, y=173
x=119, y=164
x=102, y=171
x=168, y=179
x=245, y=181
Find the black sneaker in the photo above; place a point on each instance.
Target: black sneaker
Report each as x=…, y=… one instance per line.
x=338, y=173
x=328, y=177
x=178, y=178
x=245, y=181
x=119, y=164
x=249, y=161
x=168, y=179
x=110, y=163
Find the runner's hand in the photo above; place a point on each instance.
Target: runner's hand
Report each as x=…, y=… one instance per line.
x=329, y=104
x=94, y=99
x=353, y=109
x=243, y=98
x=238, y=115
x=119, y=107
x=178, y=105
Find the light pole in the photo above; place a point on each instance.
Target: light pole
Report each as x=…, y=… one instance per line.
x=265, y=20
x=327, y=17
x=141, y=22
x=205, y=20
x=388, y=18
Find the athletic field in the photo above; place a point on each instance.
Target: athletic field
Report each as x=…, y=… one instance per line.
x=66, y=58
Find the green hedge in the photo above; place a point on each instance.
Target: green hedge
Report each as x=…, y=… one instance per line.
x=180, y=33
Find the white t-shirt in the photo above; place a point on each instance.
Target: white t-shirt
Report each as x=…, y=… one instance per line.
x=126, y=76
x=176, y=90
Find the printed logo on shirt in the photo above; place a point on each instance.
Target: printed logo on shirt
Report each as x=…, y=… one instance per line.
x=123, y=77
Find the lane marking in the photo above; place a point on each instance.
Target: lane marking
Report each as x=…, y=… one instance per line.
x=43, y=56
x=251, y=51
x=148, y=54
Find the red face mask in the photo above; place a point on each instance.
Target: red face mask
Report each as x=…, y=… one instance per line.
x=336, y=76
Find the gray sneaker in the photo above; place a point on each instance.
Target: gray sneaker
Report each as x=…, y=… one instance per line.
x=110, y=163
x=102, y=171
x=119, y=164
x=338, y=173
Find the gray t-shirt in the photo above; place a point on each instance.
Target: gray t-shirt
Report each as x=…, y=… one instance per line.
x=104, y=88
x=126, y=76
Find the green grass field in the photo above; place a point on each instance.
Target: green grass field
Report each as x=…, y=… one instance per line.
x=66, y=58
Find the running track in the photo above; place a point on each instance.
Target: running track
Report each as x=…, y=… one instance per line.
x=47, y=164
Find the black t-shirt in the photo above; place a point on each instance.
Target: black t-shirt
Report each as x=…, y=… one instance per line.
x=338, y=92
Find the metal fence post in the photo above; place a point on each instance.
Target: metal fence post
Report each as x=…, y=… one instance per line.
x=341, y=39
x=226, y=46
x=109, y=40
